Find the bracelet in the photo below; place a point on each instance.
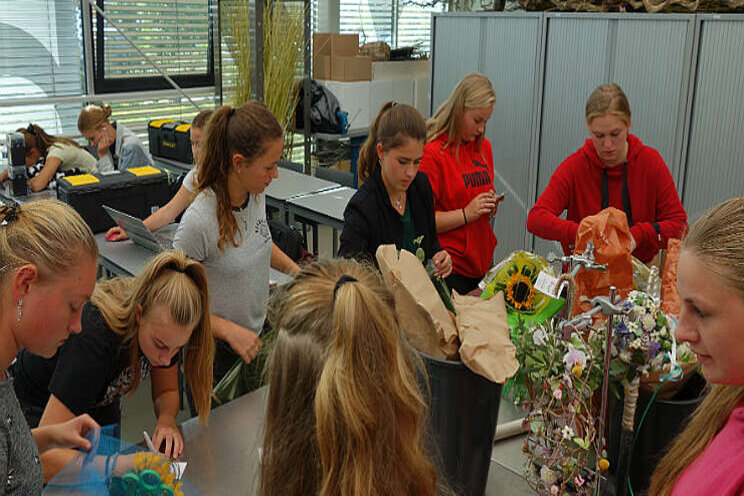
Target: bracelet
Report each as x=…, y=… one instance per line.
x=465, y=217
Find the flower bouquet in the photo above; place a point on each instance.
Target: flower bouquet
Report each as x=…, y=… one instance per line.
x=642, y=342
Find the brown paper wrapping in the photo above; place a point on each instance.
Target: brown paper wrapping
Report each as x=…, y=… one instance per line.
x=670, y=301
x=486, y=347
x=609, y=232
x=427, y=323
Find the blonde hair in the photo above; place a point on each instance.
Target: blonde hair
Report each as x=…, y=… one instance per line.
x=344, y=414
x=393, y=126
x=608, y=99
x=92, y=116
x=474, y=91
x=717, y=240
x=48, y=234
x=180, y=285
x=248, y=130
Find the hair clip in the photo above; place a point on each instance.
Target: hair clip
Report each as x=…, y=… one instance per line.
x=11, y=214
x=31, y=129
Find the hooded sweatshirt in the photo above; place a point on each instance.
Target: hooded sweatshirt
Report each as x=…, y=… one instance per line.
x=652, y=204
x=454, y=184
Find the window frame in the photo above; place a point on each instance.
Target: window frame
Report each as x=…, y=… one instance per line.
x=102, y=85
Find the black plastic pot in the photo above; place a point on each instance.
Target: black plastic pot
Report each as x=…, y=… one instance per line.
x=464, y=410
x=664, y=421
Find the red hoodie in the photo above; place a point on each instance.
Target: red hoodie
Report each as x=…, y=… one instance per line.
x=576, y=186
x=454, y=185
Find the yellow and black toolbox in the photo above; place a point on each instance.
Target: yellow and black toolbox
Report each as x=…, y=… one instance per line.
x=171, y=139
x=134, y=191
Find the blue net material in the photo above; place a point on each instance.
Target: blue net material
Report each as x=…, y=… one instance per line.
x=108, y=470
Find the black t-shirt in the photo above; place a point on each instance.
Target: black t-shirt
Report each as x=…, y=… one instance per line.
x=89, y=373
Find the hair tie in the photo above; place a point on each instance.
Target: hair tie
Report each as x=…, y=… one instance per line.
x=11, y=214
x=232, y=111
x=176, y=268
x=31, y=129
x=341, y=280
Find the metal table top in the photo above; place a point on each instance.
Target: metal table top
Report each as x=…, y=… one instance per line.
x=325, y=207
x=291, y=184
x=126, y=258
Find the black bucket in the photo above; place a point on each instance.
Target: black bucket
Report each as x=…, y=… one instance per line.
x=664, y=421
x=464, y=410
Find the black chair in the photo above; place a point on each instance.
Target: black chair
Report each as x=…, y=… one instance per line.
x=338, y=176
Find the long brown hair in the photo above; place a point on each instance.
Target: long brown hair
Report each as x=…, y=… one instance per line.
x=35, y=137
x=717, y=240
x=92, y=117
x=180, y=285
x=394, y=125
x=247, y=130
x=344, y=414
x=474, y=91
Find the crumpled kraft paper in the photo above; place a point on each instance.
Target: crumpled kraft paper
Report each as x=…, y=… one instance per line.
x=670, y=300
x=486, y=347
x=427, y=323
x=609, y=232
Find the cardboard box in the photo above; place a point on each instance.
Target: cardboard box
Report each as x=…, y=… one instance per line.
x=322, y=67
x=351, y=68
x=335, y=44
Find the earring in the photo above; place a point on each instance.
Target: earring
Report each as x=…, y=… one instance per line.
x=20, y=310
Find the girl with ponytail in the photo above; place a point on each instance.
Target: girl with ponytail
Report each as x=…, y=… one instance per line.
x=345, y=413
x=133, y=326
x=114, y=144
x=58, y=156
x=226, y=229
x=706, y=457
x=395, y=205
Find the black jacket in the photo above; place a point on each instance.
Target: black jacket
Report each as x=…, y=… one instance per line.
x=370, y=220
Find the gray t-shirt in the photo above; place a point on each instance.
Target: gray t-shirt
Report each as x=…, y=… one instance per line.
x=238, y=276
x=20, y=466
x=129, y=152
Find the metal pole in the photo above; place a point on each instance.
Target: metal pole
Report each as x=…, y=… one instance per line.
x=259, y=44
x=90, y=87
x=605, y=393
x=306, y=86
x=148, y=59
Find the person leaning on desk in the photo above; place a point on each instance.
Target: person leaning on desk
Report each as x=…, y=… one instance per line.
x=115, y=145
x=48, y=262
x=395, y=203
x=132, y=327
x=612, y=169
x=226, y=229
x=59, y=155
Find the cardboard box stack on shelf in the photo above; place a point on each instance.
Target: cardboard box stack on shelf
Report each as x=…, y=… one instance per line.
x=336, y=57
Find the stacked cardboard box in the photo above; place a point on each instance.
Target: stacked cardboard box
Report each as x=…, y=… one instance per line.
x=336, y=57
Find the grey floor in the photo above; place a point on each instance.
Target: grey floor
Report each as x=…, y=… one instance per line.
x=504, y=479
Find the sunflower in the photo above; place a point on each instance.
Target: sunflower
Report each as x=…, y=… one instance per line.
x=520, y=292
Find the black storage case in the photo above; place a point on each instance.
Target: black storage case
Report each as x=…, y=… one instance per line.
x=170, y=139
x=124, y=191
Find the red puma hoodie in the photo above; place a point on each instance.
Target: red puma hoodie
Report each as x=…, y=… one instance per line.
x=655, y=212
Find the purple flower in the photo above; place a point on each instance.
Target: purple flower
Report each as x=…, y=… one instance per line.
x=621, y=329
x=654, y=349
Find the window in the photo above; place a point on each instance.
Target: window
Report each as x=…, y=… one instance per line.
x=397, y=22
x=175, y=35
x=40, y=60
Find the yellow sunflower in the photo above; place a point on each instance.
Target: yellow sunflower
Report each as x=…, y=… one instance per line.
x=520, y=292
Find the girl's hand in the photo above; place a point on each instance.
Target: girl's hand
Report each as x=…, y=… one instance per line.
x=483, y=204
x=166, y=430
x=442, y=263
x=70, y=434
x=116, y=233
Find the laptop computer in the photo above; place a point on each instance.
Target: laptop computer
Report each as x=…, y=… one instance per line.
x=138, y=232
